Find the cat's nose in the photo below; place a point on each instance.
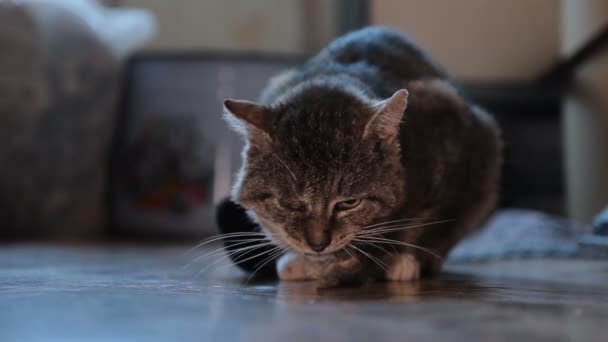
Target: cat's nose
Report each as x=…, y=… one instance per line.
x=318, y=247
x=318, y=236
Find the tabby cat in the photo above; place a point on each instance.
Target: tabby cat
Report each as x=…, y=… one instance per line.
x=364, y=163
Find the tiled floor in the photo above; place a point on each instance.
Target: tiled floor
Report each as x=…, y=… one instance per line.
x=116, y=293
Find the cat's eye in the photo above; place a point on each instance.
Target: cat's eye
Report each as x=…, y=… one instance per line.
x=261, y=196
x=348, y=204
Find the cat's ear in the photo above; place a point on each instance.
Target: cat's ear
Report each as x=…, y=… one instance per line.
x=248, y=118
x=385, y=122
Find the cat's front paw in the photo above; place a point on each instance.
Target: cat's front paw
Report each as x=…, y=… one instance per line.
x=404, y=267
x=294, y=267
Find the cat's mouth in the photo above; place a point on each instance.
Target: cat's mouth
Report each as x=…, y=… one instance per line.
x=335, y=249
x=321, y=256
x=325, y=255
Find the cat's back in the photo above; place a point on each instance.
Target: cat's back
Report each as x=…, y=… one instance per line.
x=380, y=57
x=392, y=52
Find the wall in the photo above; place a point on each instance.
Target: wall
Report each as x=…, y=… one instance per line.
x=287, y=26
x=585, y=114
x=480, y=39
x=518, y=40
x=475, y=39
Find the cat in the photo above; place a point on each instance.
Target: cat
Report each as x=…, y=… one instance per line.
x=364, y=163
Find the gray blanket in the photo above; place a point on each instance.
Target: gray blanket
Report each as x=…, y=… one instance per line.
x=521, y=233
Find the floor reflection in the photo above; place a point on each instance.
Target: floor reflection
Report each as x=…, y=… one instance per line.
x=446, y=286
x=69, y=293
x=453, y=286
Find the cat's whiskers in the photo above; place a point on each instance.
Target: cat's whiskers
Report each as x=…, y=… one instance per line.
x=241, y=251
x=226, y=236
x=225, y=249
x=225, y=252
x=388, y=222
x=370, y=257
x=386, y=228
x=277, y=252
x=396, y=227
x=287, y=167
x=380, y=240
x=239, y=258
x=274, y=249
x=349, y=252
x=273, y=245
x=373, y=245
x=375, y=236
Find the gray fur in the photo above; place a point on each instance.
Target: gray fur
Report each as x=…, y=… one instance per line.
x=312, y=149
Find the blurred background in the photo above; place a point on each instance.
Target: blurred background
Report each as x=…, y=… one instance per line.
x=110, y=111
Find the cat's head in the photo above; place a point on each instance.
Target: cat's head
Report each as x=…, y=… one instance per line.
x=319, y=166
